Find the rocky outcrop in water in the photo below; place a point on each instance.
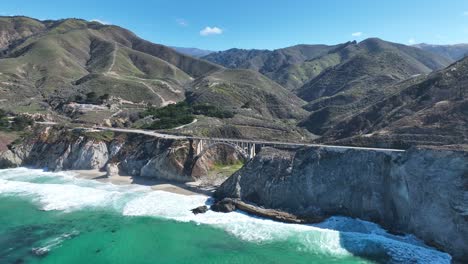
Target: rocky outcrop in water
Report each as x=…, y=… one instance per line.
x=420, y=191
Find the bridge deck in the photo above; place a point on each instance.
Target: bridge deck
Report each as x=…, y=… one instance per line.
x=236, y=140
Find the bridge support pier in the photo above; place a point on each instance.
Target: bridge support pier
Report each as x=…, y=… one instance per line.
x=247, y=149
x=199, y=147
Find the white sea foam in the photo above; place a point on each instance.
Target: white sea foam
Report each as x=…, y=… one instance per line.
x=338, y=236
x=53, y=243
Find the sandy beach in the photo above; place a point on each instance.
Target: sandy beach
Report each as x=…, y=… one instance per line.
x=190, y=188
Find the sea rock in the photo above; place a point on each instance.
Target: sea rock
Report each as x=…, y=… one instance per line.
x=200, y=209
x=224, y=206
x=227, y=205
x=420, y=191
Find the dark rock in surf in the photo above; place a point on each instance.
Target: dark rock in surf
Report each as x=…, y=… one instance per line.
x=200, y=210
x=224, y=206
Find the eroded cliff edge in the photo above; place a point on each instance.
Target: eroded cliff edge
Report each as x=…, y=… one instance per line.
x=57, y=149
x=420, y=191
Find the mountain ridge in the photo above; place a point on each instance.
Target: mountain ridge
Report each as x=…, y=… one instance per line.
x=194, y=52
x=454, y=51
x=61, y=68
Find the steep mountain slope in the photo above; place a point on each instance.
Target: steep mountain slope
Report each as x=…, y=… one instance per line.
x=44, y=59
x=263, y=109
x=280, y=65
x=453, y=52
x=368, y=72
x=48, y=67
x=248, y=92
x=15, y=28
x=194, y=52
x=433, y=111
x=371, y=63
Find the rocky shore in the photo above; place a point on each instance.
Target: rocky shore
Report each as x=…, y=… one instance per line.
x=421, y=191
x=128, y=154
x=227, y=205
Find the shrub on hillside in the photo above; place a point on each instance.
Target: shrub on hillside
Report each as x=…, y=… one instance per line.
x=170, y=116
x=92, y=98
x=182, y=113
x=212, y=111
x=21, y=122
x=3, y=119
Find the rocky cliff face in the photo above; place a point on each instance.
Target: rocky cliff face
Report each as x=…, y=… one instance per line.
x=420, y=191
x=129, y=154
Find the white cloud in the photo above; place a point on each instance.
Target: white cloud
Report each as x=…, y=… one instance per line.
x=101, y=21
x=411, y=41
x=356, y=34
x=211, y=31
x=182, y=22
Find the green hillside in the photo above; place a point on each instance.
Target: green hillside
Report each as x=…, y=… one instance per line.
x=282, y=65
x=368, y=71
x=432, y=111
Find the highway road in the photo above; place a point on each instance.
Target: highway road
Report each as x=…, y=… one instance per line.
x=236, y=140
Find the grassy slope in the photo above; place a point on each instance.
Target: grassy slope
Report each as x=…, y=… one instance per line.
x=70, y=52
x=368, y=72
x=74, y=56
x=431, y=111
x=247, y=91
x=287, y=66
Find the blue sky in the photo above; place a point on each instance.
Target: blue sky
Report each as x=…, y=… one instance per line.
x=222, y=24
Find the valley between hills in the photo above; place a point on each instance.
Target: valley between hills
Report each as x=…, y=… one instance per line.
x=371, y=93
x=373, y=130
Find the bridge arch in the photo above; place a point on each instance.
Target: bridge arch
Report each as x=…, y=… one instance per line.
x=229, y=155
x=234, y=146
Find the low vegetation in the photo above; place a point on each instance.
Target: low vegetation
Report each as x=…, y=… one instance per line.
x=211, y=111
x=105, y=136
x=182, y=113
x=92, y=98
x=171, y=116
x=18, y=123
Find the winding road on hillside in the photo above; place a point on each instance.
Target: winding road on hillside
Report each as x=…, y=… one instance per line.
x=235, y=140
x=113, y=74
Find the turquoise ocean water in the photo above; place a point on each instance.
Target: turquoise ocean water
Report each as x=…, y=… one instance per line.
x=58, y=218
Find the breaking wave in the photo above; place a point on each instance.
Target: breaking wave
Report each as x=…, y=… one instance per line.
x=337, y=236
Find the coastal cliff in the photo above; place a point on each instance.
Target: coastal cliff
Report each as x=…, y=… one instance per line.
x=420, y=191
x=117, y=153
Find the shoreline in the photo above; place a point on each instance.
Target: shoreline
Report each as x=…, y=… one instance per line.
x=189, y=188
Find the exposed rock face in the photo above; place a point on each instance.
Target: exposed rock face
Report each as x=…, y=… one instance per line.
x=420, y=191
x=227, y=205
x=9, y=159
x=112, y=169
x=79, y=153
x=90, y=155
x=219, y=153
x=135, y=155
